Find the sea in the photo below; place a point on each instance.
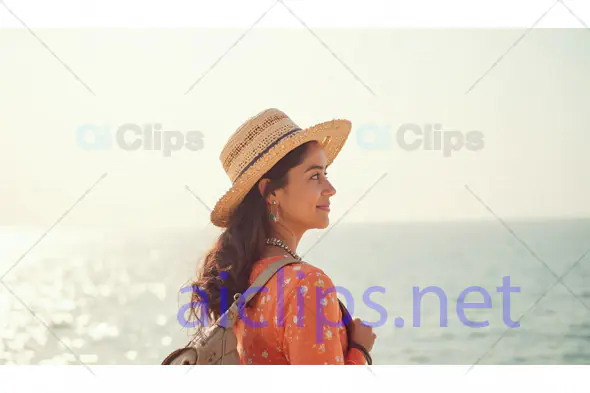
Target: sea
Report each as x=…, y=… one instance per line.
x=448, y=293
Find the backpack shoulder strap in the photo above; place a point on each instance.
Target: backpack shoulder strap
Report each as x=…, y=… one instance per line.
x=267, y=274
x=232, y=313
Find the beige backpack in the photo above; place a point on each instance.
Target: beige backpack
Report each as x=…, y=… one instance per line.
x=217, y=344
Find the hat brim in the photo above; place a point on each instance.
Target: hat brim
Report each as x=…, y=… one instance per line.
x=331, y=135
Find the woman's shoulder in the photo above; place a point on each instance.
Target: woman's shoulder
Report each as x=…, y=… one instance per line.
x=304, y=269
x=295, y=274
x=302, y=274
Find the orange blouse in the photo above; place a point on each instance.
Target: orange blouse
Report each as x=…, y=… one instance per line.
x=275, y=329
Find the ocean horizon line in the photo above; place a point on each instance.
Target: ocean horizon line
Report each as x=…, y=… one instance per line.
x=209, y=226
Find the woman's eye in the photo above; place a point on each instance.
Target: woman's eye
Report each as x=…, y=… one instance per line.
x=318, y=176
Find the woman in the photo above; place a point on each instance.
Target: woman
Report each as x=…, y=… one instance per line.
x=279, y=191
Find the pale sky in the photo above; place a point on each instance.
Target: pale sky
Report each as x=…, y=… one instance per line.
x=532, y=109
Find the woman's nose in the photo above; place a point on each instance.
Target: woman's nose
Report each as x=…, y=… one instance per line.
x=330, y=190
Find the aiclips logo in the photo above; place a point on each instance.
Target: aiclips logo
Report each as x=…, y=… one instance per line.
x=413, y=136
x=134, y=137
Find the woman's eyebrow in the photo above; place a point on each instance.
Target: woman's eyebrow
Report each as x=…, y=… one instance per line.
x=313, y=167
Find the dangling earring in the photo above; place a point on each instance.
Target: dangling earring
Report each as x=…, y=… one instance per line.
x=273, y=216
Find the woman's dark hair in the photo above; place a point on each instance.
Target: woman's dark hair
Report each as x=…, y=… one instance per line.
x=239, y=246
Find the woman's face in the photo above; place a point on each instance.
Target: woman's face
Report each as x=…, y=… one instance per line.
x=304, y=202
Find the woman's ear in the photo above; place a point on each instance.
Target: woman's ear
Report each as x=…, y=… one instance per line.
x=262, y=184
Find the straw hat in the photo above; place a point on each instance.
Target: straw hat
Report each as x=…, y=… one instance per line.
x=259, y=143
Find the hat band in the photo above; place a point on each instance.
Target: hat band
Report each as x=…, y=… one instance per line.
x=274, y=143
